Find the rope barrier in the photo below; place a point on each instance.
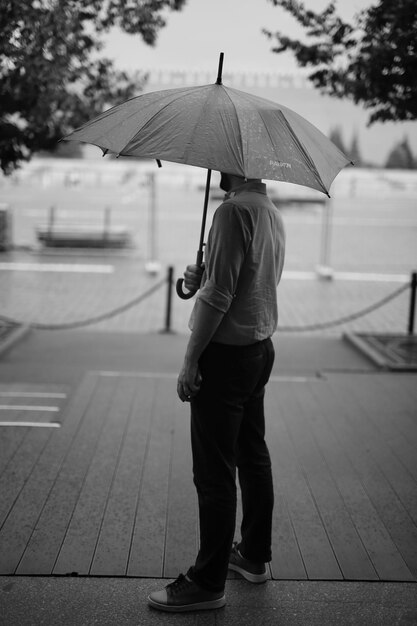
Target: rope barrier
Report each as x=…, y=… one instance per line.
x=169, y=281
x=346, y=318
x=91, y=320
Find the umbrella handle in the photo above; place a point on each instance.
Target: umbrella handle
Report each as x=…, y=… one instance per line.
x=184, y=295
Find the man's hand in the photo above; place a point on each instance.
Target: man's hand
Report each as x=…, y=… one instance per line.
x=189, y=381
x=192, y=277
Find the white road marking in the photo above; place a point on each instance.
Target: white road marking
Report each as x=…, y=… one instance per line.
x=138, y=374
x=32, y=424
x=371, y=277
x=277, y=378
x=296, y=379
x=374, y=222
x=23, y=407
x=31, y=394
x=77, y=268
x=348, y=276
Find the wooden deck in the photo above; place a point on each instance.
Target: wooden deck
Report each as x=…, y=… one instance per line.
x=110, y=492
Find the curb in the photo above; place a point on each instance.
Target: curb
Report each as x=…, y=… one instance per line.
x=16, y=335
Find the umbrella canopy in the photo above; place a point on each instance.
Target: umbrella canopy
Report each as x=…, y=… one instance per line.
x=217, y=128
x=221, y=128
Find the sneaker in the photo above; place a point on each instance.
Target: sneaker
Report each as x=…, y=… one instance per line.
x=253, y=572
x=185, y=595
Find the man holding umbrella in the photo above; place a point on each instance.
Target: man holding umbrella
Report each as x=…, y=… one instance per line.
x=230, y=354
x=227, y=364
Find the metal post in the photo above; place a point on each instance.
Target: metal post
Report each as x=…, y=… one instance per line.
x=412, y=303
x=106, y=225
x=324, y=269
x=168, y=312
x=152, y=265
x=5, y=230
x=51, y=221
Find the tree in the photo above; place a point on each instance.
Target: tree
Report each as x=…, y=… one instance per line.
x=401, y=156
x=354, y=151
x=372, y=61
x=52, y=78
x=336, y=137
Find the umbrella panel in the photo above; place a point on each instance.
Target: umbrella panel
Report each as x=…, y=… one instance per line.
x=220, y=128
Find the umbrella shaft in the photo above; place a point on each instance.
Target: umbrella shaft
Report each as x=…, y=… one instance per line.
x=199, y=260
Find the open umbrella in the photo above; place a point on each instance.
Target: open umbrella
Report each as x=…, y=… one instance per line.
x=217, y=127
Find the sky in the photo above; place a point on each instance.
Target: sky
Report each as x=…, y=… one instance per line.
x=194, y=37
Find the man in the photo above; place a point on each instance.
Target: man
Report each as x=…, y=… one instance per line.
x=227, y=364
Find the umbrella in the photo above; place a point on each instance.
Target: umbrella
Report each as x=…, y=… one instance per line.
x=221, y=128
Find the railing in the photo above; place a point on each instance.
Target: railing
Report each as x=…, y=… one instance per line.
x=168, y=281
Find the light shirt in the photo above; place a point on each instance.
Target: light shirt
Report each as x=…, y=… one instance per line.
x=244, y=258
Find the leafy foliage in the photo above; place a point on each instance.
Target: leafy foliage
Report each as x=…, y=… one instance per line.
x=353, y=152
x=52, y=77
x=335, y=135
x=401, y=157
x=372, y=62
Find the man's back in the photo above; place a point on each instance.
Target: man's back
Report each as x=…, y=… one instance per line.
x=244, y=261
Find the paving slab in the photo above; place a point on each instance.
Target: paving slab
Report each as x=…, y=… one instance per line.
x=64, y=356
x=42, y=601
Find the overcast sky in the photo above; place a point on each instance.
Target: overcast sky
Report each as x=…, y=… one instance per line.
x=194, y=36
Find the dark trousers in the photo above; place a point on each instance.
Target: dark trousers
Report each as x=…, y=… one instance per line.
x=228, y=431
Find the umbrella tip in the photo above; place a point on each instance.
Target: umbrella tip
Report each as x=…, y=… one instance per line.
x=158, y=163
x=220, y=70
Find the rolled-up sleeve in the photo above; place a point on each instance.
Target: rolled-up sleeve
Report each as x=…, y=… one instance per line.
x=227, y=244
x=215, y=296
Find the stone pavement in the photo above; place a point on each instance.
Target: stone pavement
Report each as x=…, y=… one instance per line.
x=82, y=284
x=68, y=288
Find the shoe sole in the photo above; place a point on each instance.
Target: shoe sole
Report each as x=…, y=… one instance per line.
x=182, y=608
x=252, y=578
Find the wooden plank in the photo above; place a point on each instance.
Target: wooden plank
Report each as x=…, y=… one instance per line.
x=50, y=530
x=148, y=542
x=20, y=468
x=287, y=562
x=10, y=440
x=384, y=499
x=114, y=487
x=317, y=554
x=181, y=540
x=21, y=520
x=78, y=548
x=14, y=393
x=382, y=551
x=409, y=389
x=391, y=461
x=113, y=546
x=394, y=423
x=399, y=400
x=350, y=553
